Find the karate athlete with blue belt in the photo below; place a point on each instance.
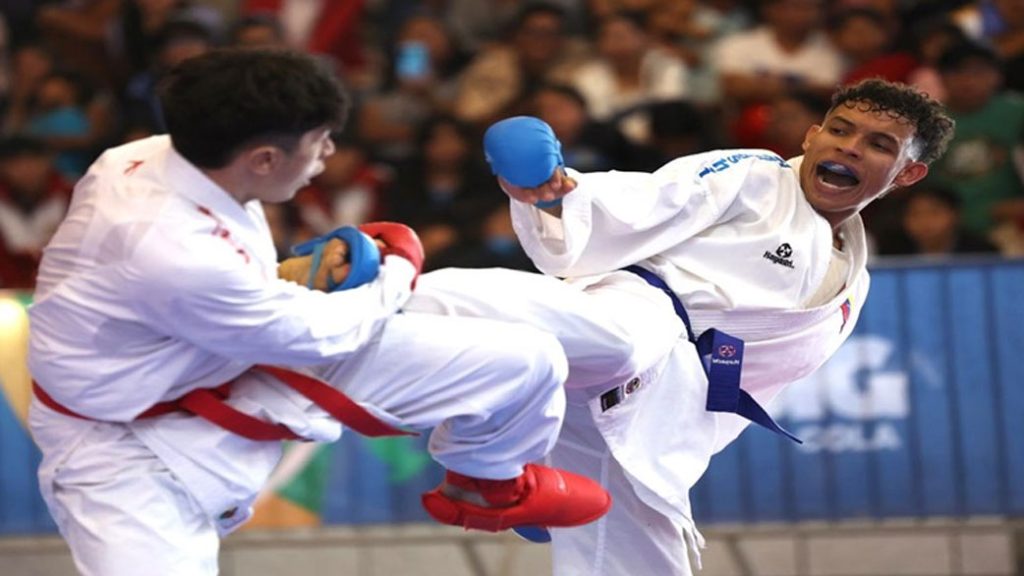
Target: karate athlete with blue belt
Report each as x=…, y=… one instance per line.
x=690, y=297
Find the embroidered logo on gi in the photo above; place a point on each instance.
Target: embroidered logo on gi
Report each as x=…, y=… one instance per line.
x=132, y=166
x=782, y=255
x=726, y=350
x=222, y=232
x=726, y=162
x=845, y=308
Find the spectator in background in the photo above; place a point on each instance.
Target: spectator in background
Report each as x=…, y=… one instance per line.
x=888, y=8
x=178, y=41
x=678, y=128
x=1000, y=25
x=495, y=247
x=675, y=25
x=725, y=16
x=476, y=24
x=930, y=39
x=445, y=189
x=930, y=219
x=260, y=30
x=979, y=165
x=598, y=10
x=19, y=20
x=791, y=116
x=421, y=82
x=61, y=107
x=5, y=57
x=140, y=31
x=33, y=200
x=349, y=191
x=690, y=28
x=789, y=50
x=70, y=118
x=331, y=28
x=30, y=65
x=501, y=77
x=986, y=21
x=865, y=38
x=585, y=142
x=79, y=34
x=1009, y=42
x=112, y=40
x=629, y=72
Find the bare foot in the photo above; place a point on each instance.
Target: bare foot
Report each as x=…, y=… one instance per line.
x=333, y=262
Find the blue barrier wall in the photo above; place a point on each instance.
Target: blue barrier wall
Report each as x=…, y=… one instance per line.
x=920, y=414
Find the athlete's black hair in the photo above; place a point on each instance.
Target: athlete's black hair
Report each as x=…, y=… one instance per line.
x=933, y=128
x=216, y=104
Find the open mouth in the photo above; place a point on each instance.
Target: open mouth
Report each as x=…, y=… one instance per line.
x=836, y=175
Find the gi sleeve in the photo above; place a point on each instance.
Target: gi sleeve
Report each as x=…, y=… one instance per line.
x=201, y=291
x=614, y=219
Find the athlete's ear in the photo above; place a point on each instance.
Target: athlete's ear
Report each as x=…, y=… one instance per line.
x=911, y=174
x=262, y=160
x=811, y=133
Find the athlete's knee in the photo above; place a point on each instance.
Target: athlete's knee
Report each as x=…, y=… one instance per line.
x=455, y=292
x=616, y=353
x=548, y=358
x=635, y=347
x=536, y=356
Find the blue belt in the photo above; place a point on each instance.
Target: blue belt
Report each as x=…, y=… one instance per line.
x=722, y=357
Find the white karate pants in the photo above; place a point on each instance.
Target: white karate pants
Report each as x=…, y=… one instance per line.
x=613, y=330
x=492, y=391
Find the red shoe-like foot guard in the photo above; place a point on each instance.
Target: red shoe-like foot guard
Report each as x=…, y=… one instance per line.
x=541, y=496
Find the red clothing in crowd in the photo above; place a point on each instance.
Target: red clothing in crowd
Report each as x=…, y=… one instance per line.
x=361, y=200
x=25, y=231
x=335, y=33
x=896, y=67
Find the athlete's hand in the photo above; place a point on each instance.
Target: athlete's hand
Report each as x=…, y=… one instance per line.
x=554, y=188
x=334, y=262
x=526, y=156
x=398, y=239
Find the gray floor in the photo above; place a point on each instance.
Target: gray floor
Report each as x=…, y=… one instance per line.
x=975, y=548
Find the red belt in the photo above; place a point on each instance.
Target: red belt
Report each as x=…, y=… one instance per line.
x=209, y=404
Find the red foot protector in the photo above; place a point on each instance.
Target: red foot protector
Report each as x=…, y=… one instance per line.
x=541, y=496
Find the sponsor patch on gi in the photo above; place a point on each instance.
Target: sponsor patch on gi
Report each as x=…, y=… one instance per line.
x=782, y=255
x=611, y=398
x=616, y=395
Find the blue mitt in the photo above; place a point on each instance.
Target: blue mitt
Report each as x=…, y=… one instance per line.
x=523, y=150
x=363, y=256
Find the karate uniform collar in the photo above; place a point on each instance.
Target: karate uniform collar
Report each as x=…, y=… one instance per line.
x=188, y=181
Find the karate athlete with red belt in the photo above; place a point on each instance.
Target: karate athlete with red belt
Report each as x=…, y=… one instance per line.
x=691, y=297
x=160, y=326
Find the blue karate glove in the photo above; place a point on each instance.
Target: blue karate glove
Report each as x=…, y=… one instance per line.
x=523, y=150
x=363, y=256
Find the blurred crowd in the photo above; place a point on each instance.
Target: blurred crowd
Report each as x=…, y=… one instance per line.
x=626, y=85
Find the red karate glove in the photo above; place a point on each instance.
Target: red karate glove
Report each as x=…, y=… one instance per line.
x=399, y=240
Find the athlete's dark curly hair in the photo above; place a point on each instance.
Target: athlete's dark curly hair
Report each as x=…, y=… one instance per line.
x=933, y=128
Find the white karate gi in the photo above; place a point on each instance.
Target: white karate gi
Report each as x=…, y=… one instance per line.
x=733, y=236
x=159, y=283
